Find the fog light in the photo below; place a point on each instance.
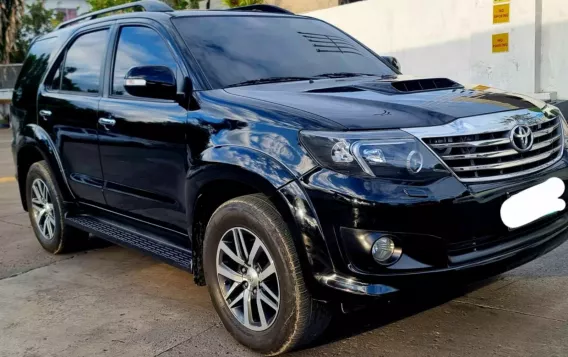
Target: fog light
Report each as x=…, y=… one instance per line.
x=385, y=251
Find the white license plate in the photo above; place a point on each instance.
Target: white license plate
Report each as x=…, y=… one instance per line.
x=533, y=203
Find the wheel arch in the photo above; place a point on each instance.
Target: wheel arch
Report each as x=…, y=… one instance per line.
x=36, y=145
x=225, y=176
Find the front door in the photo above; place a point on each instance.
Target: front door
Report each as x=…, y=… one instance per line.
x=68, y=104
x=142, y=140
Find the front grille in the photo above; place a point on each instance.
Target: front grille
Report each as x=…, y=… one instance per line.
x=490, y=155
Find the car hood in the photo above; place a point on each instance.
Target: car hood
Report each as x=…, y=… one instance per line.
x=362, y=103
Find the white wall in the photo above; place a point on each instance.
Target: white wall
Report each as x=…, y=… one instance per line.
x=554, y=51
x=453, y=38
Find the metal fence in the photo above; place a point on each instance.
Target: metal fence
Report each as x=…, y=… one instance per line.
x=8, y=75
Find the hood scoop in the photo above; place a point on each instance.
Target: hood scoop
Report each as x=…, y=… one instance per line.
x=410, y=86
x=393, y=87
x=419, y=85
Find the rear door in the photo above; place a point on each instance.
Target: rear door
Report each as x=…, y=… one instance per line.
x=68, y=104
x=143, y=150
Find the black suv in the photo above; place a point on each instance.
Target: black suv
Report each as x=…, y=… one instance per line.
x=279, y=160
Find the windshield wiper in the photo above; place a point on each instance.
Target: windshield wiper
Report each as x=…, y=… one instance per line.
x=269, y=80
x=353, y=74
x=344, y=75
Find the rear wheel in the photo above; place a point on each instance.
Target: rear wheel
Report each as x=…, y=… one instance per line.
x=255, y=280
x=46, y=211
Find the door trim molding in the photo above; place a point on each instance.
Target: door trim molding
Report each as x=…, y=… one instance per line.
x=185, y=235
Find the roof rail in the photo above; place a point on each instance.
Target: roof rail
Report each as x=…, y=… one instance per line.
x=263, y=8
x=147, y=5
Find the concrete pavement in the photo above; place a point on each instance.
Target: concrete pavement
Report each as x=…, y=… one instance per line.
x=117, y=302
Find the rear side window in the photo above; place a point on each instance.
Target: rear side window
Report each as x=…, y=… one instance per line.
x=139, y=46
x=81, y=71
x=35, y=65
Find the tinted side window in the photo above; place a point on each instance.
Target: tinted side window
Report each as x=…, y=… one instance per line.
x=139, y=46
x=35, y=65
x=83, y=63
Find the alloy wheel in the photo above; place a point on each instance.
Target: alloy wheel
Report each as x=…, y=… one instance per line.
x=43, y=211
x=248, y=280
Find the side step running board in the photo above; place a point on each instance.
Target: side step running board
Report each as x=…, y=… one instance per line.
x=122, y=235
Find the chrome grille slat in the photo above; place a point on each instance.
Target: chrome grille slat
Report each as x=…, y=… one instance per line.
x=538, y=134
x=545, y=120
x=502, y=153
x=478, y=143
x=508, y=164
x=479, y=148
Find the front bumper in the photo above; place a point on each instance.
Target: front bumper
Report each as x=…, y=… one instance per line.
x=448, y=230
x=532, y=247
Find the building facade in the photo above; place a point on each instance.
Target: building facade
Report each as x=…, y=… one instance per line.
x=295, y=6
x=70, y=8
x=300, y=6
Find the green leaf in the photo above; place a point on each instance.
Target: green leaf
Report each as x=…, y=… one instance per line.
x=239, y=3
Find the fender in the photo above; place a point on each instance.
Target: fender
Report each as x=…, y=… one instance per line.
x=265, y=174
x=251, y=160
x=309, y=226
x=247, y=166
x=235, y=163
x=34, y=136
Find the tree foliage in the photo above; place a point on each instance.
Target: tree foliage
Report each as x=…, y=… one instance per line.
x=37, y=21
x=175, y=4
x=239, y=3
x=11, y=12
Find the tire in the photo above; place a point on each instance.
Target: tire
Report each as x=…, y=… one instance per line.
x=298, y=319
x=55, y=237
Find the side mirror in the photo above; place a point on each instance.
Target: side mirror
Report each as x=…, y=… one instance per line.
x=393, y=62
x=158, y=82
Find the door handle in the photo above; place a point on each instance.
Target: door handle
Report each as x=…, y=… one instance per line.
x=44, y=114
x=105, y=122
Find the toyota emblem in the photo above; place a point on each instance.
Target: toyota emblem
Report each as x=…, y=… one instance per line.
x=522, y=138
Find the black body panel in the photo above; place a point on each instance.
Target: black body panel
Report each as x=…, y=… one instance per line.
x=73, y=128
x=364, y=103
x=144, y=159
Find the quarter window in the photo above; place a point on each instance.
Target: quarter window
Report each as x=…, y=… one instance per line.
x=56, y=81
x=83, y=63
x=139, y=46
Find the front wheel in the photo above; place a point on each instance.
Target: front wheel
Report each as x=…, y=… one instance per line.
x=254, y=277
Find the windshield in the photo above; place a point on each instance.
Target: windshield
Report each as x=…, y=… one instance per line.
x=239, y=50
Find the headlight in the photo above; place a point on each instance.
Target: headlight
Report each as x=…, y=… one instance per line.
x=392, y=154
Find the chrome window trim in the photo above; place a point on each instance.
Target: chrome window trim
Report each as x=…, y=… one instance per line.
x=485, y=124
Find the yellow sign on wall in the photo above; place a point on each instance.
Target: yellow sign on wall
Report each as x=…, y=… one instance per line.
x=500, y=1
x=501, y=42
x=501, y=13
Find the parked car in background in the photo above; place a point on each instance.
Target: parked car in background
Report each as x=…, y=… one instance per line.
x=279, y=160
